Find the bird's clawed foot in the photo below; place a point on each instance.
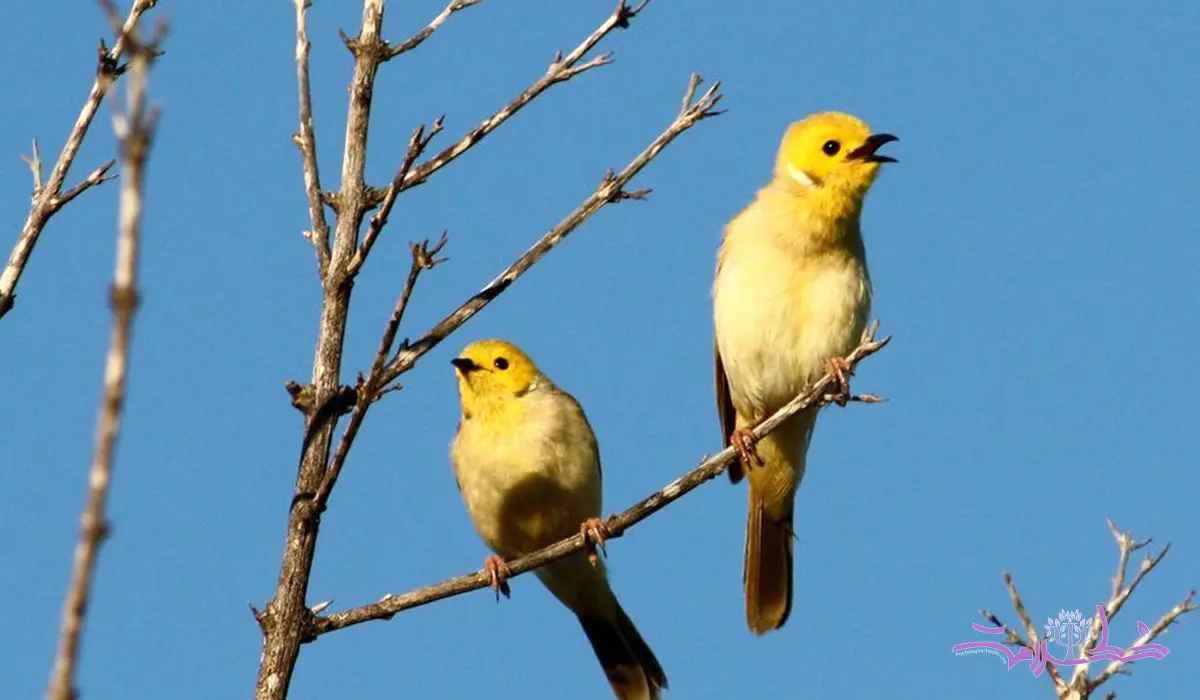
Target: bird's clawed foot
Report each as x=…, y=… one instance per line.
x=743, y=441
x=595, y=533
x=841, y=372
x=498, y=572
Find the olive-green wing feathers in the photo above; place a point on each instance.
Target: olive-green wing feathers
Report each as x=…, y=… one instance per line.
x=726, y=413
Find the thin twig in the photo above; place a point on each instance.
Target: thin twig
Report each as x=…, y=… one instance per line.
x=1172, y=616
x=306, y=141
x=610, y=190
x=135, y=130
x=369, y=389
x=48, y=197
x=420, y=37
x=561, y=69
x=416, y=146
x=616, y=525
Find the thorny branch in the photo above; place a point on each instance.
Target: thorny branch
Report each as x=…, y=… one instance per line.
x=1081, y=685
x=48, y=195
x=708, y=469
x=135, y=131
x=610, y=190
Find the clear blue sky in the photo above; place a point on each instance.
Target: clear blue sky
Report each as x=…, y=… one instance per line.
x=1034, y=254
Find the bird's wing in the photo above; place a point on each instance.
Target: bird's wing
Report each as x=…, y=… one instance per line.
x=582, y=431
x=725, y=412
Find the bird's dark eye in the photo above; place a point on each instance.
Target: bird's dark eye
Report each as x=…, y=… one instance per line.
x=831, y=147
x=501, y=363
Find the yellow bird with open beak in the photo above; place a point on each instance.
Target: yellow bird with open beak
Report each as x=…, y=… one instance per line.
x=791, y=298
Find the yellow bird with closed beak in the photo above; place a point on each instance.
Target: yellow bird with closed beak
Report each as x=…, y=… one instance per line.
x=528, y=466
x=790, y=299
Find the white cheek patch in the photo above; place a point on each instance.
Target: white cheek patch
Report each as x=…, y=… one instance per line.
x=800, y=176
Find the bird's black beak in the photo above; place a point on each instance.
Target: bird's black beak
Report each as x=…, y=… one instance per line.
x=867, y=152
x=465, y=365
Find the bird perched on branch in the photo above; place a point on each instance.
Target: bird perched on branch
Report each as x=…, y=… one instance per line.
x=528, y=467
x=790, y=299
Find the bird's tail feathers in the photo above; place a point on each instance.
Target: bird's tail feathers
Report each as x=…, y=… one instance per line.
x=767, y=572
x=631, y=667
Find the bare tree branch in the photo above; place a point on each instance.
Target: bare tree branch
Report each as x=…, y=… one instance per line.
x=708, y=469
x=381, y=375
x=1015, y=638
x=370, y=389
x=610, y=190
x=416, y=145
x=420, y=37
x=285, y=616
x=135, y=130
x=1171, y=617
x=306, y=141
x=286, y=619
x=561, y=69
x=48, y=197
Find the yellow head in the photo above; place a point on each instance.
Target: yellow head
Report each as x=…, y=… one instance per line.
x=833, y=157
x=491, y=373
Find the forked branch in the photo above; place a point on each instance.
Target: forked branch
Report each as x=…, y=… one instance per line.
x=48, y=195
x=561, y=69
x=611, y=190
x=371, y=387
x=420, y=37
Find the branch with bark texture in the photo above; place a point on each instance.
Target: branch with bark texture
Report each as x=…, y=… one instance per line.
x=135, y=128
x=48, y=195
x=708, y=469
x=1080, y=686
x=340, y=258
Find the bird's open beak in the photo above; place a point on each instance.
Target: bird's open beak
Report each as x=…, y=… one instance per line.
x=867, y=150
x=464, y=365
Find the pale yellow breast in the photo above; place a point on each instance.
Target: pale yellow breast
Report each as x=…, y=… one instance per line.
x=782, y=310
x=528, y=484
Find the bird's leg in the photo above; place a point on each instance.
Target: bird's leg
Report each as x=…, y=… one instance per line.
x=743, y=441
x=498, y=572
x=841, y=371
x=595, y=533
